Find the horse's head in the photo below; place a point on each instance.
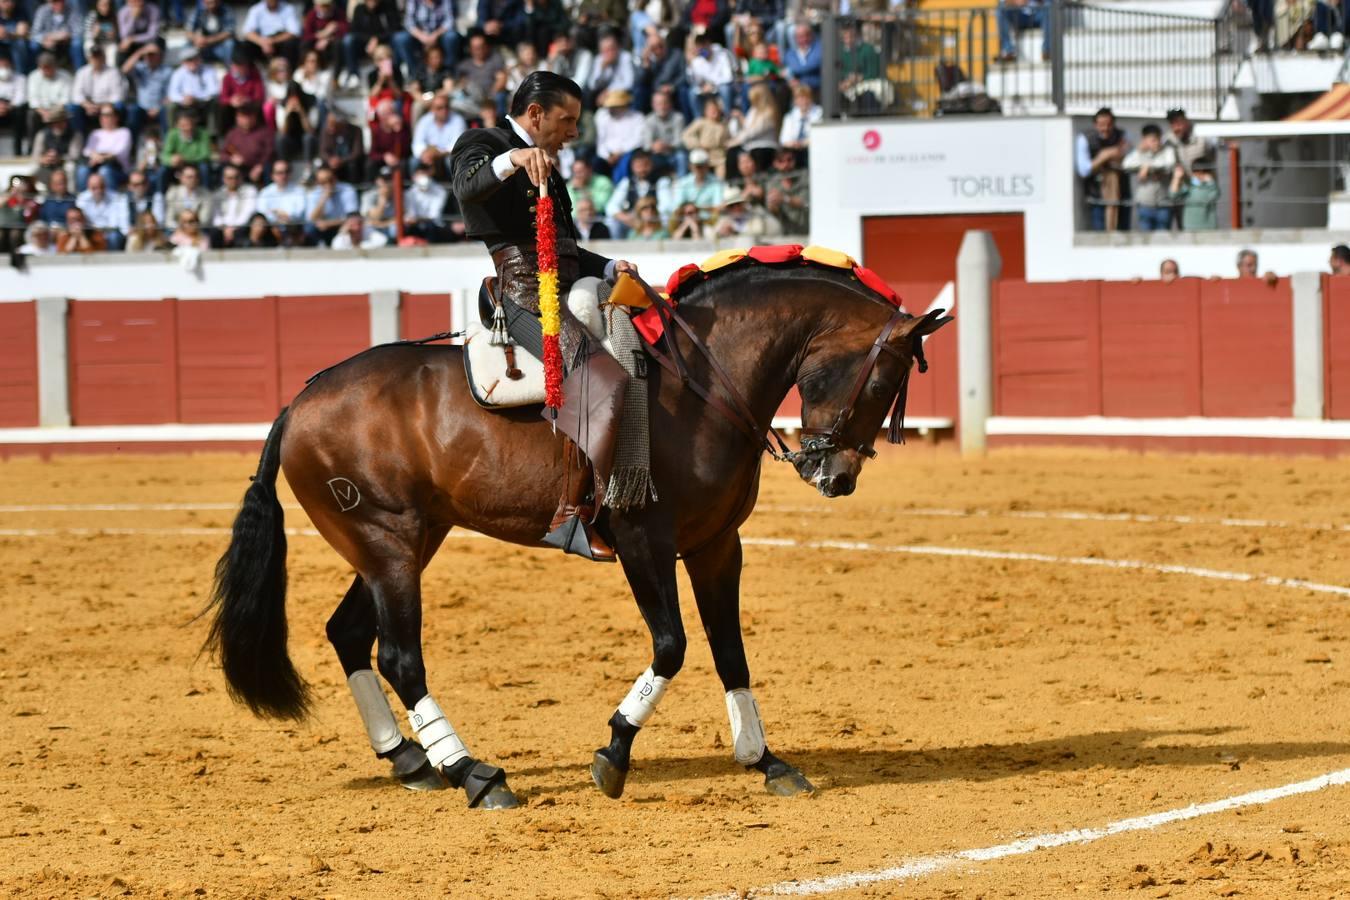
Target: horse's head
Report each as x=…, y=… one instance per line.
x=852, y=374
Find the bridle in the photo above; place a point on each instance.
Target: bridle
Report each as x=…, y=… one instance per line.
x=816, y=442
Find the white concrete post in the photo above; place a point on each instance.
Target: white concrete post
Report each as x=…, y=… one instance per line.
x=977, y=265
x=53, y=362
x=383, y=317
x=463, y=308
x=1309, y=371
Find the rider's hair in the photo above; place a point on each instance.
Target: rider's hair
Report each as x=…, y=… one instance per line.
x=546, y=89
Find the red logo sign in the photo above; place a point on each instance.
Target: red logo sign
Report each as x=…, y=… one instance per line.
x=871, y=139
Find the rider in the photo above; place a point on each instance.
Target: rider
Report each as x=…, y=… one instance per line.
x=495, y=174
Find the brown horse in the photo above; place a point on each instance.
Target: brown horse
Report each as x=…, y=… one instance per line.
x=387, y=452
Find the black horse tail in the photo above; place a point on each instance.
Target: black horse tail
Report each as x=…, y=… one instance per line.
x=248, y=630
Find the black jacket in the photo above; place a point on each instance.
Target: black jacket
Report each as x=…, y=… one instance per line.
x=499, y=213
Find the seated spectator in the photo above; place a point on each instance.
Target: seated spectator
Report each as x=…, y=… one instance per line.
x=661, y=131
x=482, y=71
x=427, y=23
x=276, y=84
x=188, y=195
x=1015, y=16
x=93, y=86
x=248, y=145
x=658, y=71
x=148, y=149
x=14, y=31
x=1097, y=157
x=638, y=183
x=527, y=61
x=105, y=211
x=761, y=66
x=189, y=232
x=1169, y=271
x=137, y=25
x=232, y=206
x=589, y=228
x=741, y=218
x=241, y=86
x=687, y=224
x=1151, y=164
x=107, y=149
x=13, y=104
x=260, y=234
x=147, y=236
x=487, y=114
x=613, y=70
x=435, y=136
x=377, y=205
x=316, y=80
x=586, y=183
x=282, y=202
x=211, y=32
x=386, y=86
x=1197, y=197
x=424, y=209
x=297, y=125
x=795, y=134
x=56, y=30
x=327, y=206
x=700, y=187
x=569, y=58
x=101, y=28
x=649, y=226
x=803, y=58
x=18, y=209
x=342, y=147
x=48, y=91
x=709, y=134
x=193, y=87
x=273, y=28
x=142, y=198
x=752, y=18
x=38, y=240
x=355, y=234
x=748, y=180
x=793, y=189
x=618, y=129
x=706, y=16
x=188, y=144
x=1263, y=21
x=1192, y=150
x=502, y=21
x=390, y=143
x=324, y=28
x=710, y=70
x=78, y=236
x=149, y=79
x=432, y=73
x=860, y=80
x=373, y=23
x=56, y=146
x=1330, y=24
x=542, y=21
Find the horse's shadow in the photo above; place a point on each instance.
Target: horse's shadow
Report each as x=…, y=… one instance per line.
x=849, y=768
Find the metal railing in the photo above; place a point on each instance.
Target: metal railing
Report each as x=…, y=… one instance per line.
x=1075, y=58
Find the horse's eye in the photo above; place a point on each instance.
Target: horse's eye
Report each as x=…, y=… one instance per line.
x=879, y=391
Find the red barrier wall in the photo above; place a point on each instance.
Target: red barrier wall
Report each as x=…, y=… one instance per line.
x=1246, y=348
x=1047, y=349
x=228, y=360
x=932, y=394
x=316, y=332
x=1150, y=334
x=1336, y=334
x=123, y=362
x=18, y=365
x=422, y=315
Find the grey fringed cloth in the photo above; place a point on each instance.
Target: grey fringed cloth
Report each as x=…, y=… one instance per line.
x=630, y=481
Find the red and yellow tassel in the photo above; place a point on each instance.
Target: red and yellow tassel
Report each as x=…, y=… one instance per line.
x=549, y=314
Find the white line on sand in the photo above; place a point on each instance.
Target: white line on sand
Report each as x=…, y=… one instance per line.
x=791, y=543
x=920, y=866
x=122, y=507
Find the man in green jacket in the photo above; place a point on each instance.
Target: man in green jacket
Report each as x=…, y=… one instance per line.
x=187, y=144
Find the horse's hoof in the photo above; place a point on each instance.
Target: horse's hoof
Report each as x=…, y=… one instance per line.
x=608, y=777
x=791, y=783
x=499, y=796
x=425, y=778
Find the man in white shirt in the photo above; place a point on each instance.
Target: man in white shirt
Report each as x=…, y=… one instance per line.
x=710, y=69
x=618, y=128
x=194, y=86
x=424, y=208
x=273, y=26
x=282, y=202
x=355, y=234
x=13, y=103
x=235, y=203
x=612, y=70
x=435, y=135
x=105, y=210
x=796, y=131
x=95, y=84
x=48, y=89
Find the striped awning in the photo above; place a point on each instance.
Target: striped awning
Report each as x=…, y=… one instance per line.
x=1332, y=106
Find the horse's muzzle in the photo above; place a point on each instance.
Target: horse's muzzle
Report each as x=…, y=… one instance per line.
x=837, y=485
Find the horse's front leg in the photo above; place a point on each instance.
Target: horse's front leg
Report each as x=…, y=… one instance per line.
x=715, y=573
x=646, y=546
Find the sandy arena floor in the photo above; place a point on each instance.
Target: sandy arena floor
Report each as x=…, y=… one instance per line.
x=940, y=703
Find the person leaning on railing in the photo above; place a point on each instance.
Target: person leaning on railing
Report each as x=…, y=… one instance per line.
x=1097, y=157
x=1151, y=164
x=1196, y=195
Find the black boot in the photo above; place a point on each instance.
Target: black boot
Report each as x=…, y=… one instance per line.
x=572, y=529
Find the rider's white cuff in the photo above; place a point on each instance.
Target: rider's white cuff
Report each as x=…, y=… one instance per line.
x=609, y=270
x=502, y=166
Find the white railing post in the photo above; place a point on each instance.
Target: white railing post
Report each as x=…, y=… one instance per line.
x=977, y=265
x=383, y=317
x=53, y=362
x=1309, y=361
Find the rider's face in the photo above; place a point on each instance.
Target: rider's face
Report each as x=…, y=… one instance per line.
x=555, y=126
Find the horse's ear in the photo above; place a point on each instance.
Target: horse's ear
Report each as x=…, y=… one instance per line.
x=927, y=323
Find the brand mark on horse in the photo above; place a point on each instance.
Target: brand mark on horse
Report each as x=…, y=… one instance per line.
x=345, y=493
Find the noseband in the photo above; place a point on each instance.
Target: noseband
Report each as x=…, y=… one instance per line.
x=821, y=441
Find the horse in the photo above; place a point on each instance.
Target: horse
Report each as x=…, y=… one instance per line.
x=387, y=451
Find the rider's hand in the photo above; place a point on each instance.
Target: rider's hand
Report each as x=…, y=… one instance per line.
x=534, y=161
x=623, y=265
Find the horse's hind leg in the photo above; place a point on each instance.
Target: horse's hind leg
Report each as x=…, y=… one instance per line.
x=351, y=631
x=715, y=573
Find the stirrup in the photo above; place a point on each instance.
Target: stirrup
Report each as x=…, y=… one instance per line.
x=577, y=538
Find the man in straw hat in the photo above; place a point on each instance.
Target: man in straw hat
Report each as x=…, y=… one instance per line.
x=496, y=174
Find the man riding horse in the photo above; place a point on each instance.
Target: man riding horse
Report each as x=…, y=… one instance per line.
x=496, y=175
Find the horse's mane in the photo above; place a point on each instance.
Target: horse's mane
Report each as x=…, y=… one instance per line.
x=711, y=289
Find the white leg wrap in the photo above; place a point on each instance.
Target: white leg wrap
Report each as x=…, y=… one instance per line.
x=443, y=746
x=747, y=729
x=641, y=701
x=376, y=714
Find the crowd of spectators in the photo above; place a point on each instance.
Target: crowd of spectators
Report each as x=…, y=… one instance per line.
x=154, y=124
x=1161, y=183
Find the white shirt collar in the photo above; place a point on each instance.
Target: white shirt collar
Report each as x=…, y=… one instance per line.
x=520, y=132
